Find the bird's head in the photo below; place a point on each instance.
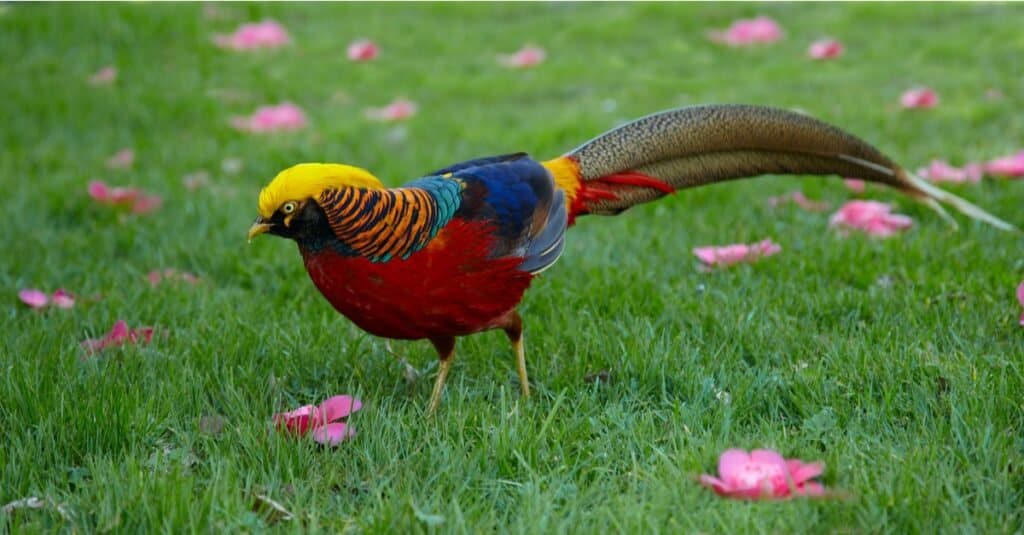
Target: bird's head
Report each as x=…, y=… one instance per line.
x=289, y=204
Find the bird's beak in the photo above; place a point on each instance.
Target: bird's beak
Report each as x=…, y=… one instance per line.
x=259, y=227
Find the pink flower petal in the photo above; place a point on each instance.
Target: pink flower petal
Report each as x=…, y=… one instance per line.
x=871, y=217
x=298, y=421
x=728, y=255
x=98, y=190
x=528, y=56
x=363, y=50
x=106, y=75
x=746, y=32
x=338, y=407
x=1007, y=166
x=940, y=171
x=282, y=117
x=63, y=299
x=919, y=97
x=33, y=298
x=121, y=159
x=265, y=34
x=119, y=335
x=798, y=198
x=332, y=434
x=825, y=49
x=1020, y=297
x=763, y=474
x=147, y=204
x=398, y=110
x=855, y=185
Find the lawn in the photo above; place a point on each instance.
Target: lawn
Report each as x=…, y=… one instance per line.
x=897, y=362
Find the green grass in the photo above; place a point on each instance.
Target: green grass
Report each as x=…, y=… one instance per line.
x=911, y=391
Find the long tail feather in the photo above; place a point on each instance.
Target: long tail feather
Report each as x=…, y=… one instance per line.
x=698, y=145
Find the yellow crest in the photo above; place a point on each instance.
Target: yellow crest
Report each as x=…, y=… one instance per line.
x=308, y=180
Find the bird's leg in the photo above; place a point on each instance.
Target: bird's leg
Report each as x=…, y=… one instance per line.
x=445, y=351
x=514, y=329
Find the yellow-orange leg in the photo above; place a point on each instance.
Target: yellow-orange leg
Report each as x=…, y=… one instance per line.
x=514, y=330
x=445, y=351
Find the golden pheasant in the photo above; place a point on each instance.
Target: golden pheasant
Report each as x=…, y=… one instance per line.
x=451, y=253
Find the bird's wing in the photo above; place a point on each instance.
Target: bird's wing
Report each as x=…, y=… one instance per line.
x=516, y=196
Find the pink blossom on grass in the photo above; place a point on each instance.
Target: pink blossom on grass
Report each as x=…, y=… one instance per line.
x=825, y=49
x=33, y=298
x=919, y=97
x=855, y=185
x=1007, y=166
x=321, y=421
x=254, y=35
x=119, y=335
x=363, y=50
x=763, y=474
x=121, y=159
x=157, y=276
x=746, y=32
x=727, y=255
x=528, y=56
x=105, y=76
x=137, y=200
x=398, y=110
x=282, y=117
x=871, y=217
x=798, y=198
x=941, y=171
x=1020, y=297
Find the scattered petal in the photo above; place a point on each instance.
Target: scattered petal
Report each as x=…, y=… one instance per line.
x=528, y=56
x=146, y=204
x=871, y=217
x=321, y=420
x=195, y=180
x=363, y=50
x=139, y=201
x=398, y=110
x=283, y=117
x=941, y=171
x=254, y=35
x=1020, y=298
x=746, y=32
x=798, y=198
x=63, y=299
x=119, y=335
x=122, y=159
x=1007, y=166
x=763, y=474
x=919, y=97
x=33, y=298
x=855, y=185
x=332, y=434
x=825, y=49
x=728, y=255
x=105, y=76
x=157, y=276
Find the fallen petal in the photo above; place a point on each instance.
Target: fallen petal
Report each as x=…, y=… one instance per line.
x=332, y=434
x=825, y=49
x=63, y=299
x=528, y=56
x=251, y=36
x=33, y=298
x=147, y=204
x=119, y=335
x=363, y=50
x=121, y=159
x=871, y=217
x=1020, y=297
x=919, y=97
x=1006, y=166
x=941, y=171
x=396, y=111
x=106, y=75
x=855, y=185
x=728, y=255
x=338, y=407
x=745, y=32
x=282, y=117
x=298, y=421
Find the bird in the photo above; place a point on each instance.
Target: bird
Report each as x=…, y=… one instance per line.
x=452, y=253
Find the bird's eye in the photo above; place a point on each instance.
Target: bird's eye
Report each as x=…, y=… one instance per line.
x=288, y=207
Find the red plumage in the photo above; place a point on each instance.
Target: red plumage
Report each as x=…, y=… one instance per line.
x=450, y=288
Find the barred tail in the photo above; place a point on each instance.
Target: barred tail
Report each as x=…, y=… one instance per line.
x=698, y=145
